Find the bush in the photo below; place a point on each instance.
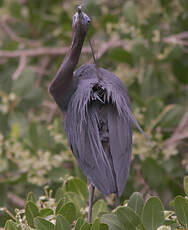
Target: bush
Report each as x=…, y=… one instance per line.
x=143, y=44
x=68, y=210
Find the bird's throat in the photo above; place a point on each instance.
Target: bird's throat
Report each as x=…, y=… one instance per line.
x=77, y=43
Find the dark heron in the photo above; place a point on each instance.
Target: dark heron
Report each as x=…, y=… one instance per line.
x=97, y=117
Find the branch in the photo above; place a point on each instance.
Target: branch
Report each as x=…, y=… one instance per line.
x=141, y=179
x=113, y=43
x=21, y=66
x=16, y=200
x=37, y=52
x=180, y=39
x=63, y=50
x=179, y=134
x=53, y=110
x=4, y=25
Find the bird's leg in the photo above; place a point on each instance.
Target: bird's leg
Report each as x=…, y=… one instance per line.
x=91, y=195
x=117, y=201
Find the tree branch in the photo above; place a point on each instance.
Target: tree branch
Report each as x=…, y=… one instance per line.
x=21, y=66
x=16, y=199
x=179, y=134
x=180, y=39
x=4, y=25
x=37, y=52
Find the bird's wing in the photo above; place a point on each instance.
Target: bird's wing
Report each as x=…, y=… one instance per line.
x=82, y=129
x=85, y=141
x=86, y=145
x=120, y=133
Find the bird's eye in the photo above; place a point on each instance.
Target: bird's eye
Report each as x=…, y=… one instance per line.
x=88, y=21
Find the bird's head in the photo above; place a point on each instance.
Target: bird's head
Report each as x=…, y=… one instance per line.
x=81, y=21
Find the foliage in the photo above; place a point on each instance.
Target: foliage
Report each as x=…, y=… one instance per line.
x=59, y=213
x=143, y=44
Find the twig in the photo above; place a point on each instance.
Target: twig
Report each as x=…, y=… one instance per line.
x=179, y=134
x=53, y=110
x=16, y=200
x=175, y=39
x=141, y=179
x=39, y=70
x=4, y=25
x=49, y=104
x=51, y=115
x=9, y=213
x=37, y=52
x=43, y=63
x=113, y=43
x=180, y=39
x=21, y=66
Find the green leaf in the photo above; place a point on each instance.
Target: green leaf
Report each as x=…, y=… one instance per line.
x=139, y=49
x=59, y=194
x=130, y=12
x=59, y=205
x=185, y=185
x=153, y=214
x=154, y=84
x=99, y=226
x=181, y=210
x=78, y=186
x=79, y=223
x=18, y=124
x=68, y=211
x=128, y=218
x=42, y=224
x=152, y=172
x=15, y=9
x=103, y=226
x=33, y=134
x=136, y=202
x=179, y=67
x=99, y=207
x=30, y=197
x=62, y=223
x=22, y=86
x=11, y=225
x=112, y=221
x=172, y=117
x=31, y=211
x=120, y=55
x=1, y=3
x=46, y=212
x=96, y=225
x=86, y=226
x=75, y=199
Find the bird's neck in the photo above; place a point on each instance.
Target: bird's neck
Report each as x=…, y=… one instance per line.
x=64, y=77
x=76, y=48
x=72, y=57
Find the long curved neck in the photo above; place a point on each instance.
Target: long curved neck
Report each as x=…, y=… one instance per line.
x=76, y=48
x=64, y=77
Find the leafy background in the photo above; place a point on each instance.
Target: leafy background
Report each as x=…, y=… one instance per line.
x=146, y=45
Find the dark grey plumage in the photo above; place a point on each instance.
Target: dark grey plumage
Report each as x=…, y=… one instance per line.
x=97, y=117
x=100, y=133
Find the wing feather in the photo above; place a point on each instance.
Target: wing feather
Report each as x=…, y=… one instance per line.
x=120, y=130
x=82, y=128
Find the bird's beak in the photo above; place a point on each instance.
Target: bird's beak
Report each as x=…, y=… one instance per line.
x=80, y=15
x=79, y=10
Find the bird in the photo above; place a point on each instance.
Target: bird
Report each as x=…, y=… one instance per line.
x=97, y=116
